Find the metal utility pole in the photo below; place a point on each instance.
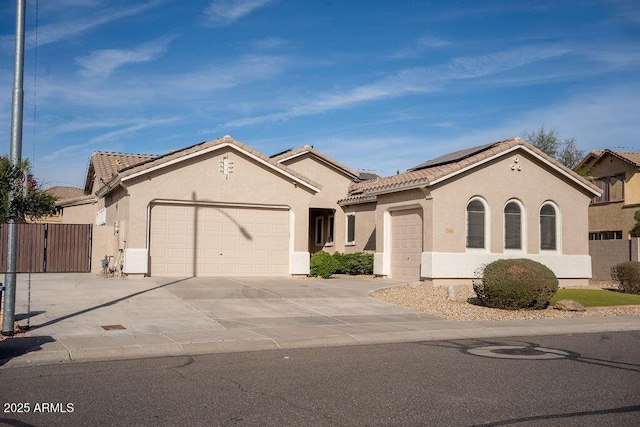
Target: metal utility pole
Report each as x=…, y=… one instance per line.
x=8, y=316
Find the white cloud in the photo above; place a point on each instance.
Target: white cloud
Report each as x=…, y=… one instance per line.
x=226, y=12
x=413, y=80
x=102, y=63
x=421, y=45
x=110, y=136
x=52, y=33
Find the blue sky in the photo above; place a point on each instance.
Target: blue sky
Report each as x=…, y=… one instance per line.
x=378, y=85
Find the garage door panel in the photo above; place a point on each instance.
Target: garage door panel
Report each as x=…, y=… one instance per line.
x=230, y=241
x=406, y=244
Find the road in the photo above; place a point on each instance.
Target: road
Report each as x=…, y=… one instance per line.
x=570, y=380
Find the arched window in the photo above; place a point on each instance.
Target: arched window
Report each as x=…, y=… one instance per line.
x=475, y=224
x=512, y=226
x=548, y=230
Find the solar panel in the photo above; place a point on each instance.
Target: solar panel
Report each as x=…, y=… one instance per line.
x=453, y=157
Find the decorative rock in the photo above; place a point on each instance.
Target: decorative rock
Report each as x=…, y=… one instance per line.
x=569, y=305
x=451, y=293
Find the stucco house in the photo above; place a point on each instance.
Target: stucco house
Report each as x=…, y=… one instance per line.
x=617, y=174
x=611, y=215
x=445, y=218
x=221, y=208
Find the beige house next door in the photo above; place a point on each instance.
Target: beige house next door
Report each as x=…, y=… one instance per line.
x=207, y=241
x=406, y=244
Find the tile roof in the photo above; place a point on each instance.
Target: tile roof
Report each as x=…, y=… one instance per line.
x=632, y=157
x=288, y=154
x=422, y=176
x=153, y=162
x=629, y=156
x=108, y=164
x=62, y=192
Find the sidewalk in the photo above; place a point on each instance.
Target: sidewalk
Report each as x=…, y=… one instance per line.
x=81, y=317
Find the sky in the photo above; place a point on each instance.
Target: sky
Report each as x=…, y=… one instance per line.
x=380, y=86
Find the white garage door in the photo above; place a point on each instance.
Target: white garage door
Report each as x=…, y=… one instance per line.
x=406, y=244
x=206, y=241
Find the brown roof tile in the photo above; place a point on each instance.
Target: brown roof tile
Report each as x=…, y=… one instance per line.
x=426, y=176
x=629, y=156
x=62, y=192
x=309, y=149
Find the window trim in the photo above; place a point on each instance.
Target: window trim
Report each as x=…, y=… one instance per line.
x=523, y=227
x=319, y=237
x=346, y=228
x=558, y=248
x=604, y=183
x=555, y=222
x=486, y=228
x=331, y=224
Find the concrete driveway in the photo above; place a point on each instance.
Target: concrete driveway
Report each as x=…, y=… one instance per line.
x=83, y=304
x=81, y=317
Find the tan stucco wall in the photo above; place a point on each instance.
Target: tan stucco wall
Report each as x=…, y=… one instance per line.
x=612, y=217
x=81, y=214
x=199, y=180
x=335, y=185
x=497, y=184
x=365, y=227
x=410, y=199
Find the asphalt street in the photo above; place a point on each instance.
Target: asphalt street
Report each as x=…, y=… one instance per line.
x=560, y=380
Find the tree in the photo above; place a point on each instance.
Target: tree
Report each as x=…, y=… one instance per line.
x=28, y=201
x=549, y=141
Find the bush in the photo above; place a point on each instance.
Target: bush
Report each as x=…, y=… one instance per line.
x=354, y=264
x=323, y=265
x=635, y=231
x=627, y=274
x=516, y=283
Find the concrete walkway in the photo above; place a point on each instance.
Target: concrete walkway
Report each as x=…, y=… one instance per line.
x=82, y=317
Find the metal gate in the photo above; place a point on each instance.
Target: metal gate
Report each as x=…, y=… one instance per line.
x=50, y=248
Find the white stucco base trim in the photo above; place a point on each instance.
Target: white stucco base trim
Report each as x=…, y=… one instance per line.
x=444, y=265
x=382, y=263
x=136, y=261
x=300, y=263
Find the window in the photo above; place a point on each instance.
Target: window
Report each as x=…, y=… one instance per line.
x=612, y=188
x=351, y=229
x=330, y=230
x=475, y=224
x=548, y=227
x=319, y=227
x=512, y=226
x=606, y=235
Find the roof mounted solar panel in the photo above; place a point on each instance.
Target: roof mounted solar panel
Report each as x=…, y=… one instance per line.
x=453, y=157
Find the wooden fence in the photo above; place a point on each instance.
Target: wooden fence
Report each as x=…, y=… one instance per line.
x=49, y=248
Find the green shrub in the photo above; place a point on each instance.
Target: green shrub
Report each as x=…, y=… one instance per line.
x=516, y=283
x=627, y=274
x=354, y=264
x=635, y=231
x=323, y=265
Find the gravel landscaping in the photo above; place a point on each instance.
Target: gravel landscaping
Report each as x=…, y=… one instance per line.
x=435, y=300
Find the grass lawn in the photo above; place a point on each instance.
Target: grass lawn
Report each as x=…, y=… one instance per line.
x=596, y=297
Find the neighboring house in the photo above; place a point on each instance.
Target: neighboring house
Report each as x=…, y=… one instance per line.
x=443, y=219
x=59, y=193
x=611, y=215
x=220, y=208
x=617, y=174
